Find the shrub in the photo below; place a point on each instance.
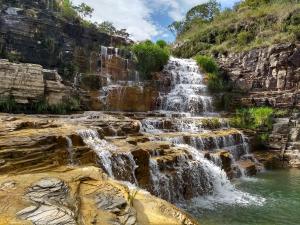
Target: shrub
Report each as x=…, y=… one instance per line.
x=150, y=58
x=237, y=30
x=207, y=63
x=215, y=81
x=7, y=104
x=295, y=30
x=253, y=118
x=14, y=56
x=244, y=38
x=67, y=10
x=263, y=139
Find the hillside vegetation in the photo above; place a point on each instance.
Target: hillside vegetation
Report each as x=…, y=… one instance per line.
x=250, y=24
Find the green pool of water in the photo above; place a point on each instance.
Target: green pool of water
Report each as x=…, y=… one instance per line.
x=280, y=190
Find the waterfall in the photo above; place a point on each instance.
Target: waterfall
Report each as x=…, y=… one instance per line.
x=120, y=166
x=186, y=119
x=104, y=52
x=70, y=151
x=188, y=93
x=203, y=178
x=101, y=147
x=188, y=96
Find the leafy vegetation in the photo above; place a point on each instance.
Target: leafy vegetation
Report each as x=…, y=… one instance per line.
x=207, y=30
x=207, y=63
x=204, y=12
x=211, y=123
x=253, y=118
x=215, y=81
x=13, y=56
x=84, y=10
x=259, y=119
x=9, y=105
x=132, y=195
x=162, y=43
x=150, y=57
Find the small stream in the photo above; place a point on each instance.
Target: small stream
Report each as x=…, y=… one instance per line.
x=279, y=188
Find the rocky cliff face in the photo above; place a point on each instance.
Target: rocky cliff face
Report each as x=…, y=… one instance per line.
x=266, y=76
x=34, y=33
x=30, y=83
x=285, y=137
x=270, y=77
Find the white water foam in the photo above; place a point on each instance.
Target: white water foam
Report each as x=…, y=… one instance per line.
x=70, y=151
x=188, y=93
x=224, y=190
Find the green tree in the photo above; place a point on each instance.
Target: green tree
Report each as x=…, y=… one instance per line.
x=177, y=27
x=107, y=27
x=123, y=33
x=206, y=11
x=67, y=9
x=84, y=10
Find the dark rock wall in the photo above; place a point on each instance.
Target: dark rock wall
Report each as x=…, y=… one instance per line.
x=38, y=35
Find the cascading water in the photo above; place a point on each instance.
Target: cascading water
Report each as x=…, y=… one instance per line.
x=184, y=123
x=101, y=147
x=188, y=96
x=116, y=85
x=120, y=166
x=188, y=92
x=70, y=151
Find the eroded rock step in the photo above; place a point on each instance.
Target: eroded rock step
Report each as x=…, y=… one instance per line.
x=69, y=196
x=150, y=161
x=186, y=124
x=27, y=143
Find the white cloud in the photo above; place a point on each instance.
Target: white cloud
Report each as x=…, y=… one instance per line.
x=176, y=9
x=134, y=15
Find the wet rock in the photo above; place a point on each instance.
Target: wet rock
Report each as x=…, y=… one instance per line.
x=132, y=99
x=270, y=159
x=226, y=162
x=142, y=172
x=248, y=166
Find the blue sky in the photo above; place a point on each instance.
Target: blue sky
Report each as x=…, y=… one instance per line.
x=144, y=19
